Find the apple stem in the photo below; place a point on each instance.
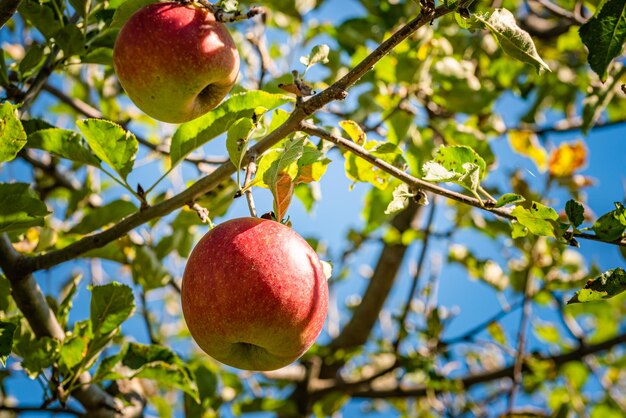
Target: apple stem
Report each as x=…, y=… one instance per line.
x=250, y=170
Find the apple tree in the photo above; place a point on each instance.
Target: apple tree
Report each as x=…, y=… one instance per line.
x=460, y=164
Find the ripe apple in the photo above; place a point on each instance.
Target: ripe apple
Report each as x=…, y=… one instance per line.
x=254, y=294
x=175, y=61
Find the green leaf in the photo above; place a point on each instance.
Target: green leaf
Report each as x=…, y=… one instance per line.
x=611, y=226
x=12, y=135
x=509, y=199
x=605, y=286
x=307, y=195
x=518, y=230
x=575, y=212
x=539, y=219
x=218, y=200
x=63, y=143
x=192, y=135
x=276, y=160
x=40, y=16
x=5, y=294
x=20, y=208
x=147, y=269
x=600, y=97
x=111, y=143
x=71, y=40
x=457, y=164
x=514, y=41
x=100, y=55
x=34, y=125
x=126, y=10
x=38, y=354
x=311, y=165
x=4, y=76
x=277, y=171
x=99, y=217
x=207, y=382
x=401, y=198
x=73, y=351
x=319, y=53
x=162, y=365
x=66, y=303
x=329, y=404
x=81, y=7
x=7, y=329
x=229, y=6
x=111, y=304
x=237, y=140
x=604, y=35
x=357, y=169
x=32, y=60
x=106, y=366
x=113, y=251
x=279, y=116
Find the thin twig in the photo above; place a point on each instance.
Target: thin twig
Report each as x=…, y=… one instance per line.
x=569, y=322
x=62, y=179
x=559, y=11
x=468, y=381
x=423, y=185
x=266, y=63
x=250, y=170
x=611, y=390
x=40, y=79
x=467, y=336
x=416, y=276
x=521, y=335
x=566, y=125
x=146, y=318
x=334, y=92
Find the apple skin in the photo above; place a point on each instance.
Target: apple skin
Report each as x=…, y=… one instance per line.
x=175, y=61
x=254, y=294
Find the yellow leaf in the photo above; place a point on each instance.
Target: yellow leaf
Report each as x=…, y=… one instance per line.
x=567, y=158
x=527, y=144
x=354, y=131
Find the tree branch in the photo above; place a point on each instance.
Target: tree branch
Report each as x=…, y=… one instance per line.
x=423, y=185
x=202, y=186
x=559, y=11
x=475, y=379
x=7, y=10
x=62, y=411
x=221, y=173
x=32, y=303
x=566, y=125
x=357, y=330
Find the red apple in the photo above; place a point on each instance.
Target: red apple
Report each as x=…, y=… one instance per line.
x=254, y=294
x=175, y=61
